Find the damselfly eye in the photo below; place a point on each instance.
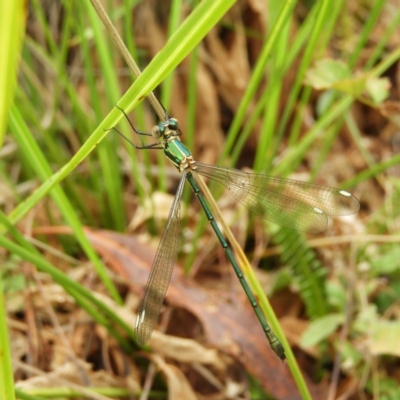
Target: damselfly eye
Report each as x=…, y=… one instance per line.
x=156, y=132
x=173, y=124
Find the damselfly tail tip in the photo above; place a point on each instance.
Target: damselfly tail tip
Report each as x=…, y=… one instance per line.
x=279, y=350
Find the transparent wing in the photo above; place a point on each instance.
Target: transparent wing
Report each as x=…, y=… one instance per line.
x=161, y=271
x=297, y=205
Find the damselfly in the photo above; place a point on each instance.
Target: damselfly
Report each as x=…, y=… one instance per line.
x=289, y=203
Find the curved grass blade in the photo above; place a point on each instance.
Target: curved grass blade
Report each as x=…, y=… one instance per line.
x=161, y=271
x=297, y=205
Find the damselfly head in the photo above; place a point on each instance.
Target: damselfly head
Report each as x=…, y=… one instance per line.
x=173, y=124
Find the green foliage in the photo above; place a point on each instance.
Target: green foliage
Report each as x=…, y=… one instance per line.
x=336, y=75
x=386, y=263
x=13, y=281
x=256, y=390
x=307, y=269
x=70, y=78
x=321, y=328
x=388, y=389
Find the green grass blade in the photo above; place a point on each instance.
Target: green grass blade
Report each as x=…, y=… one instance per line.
x=258, y=292
x=295, y=154
x=38, y=163
x=380, y=48
x=173, y=23
x=25, y=396
x=167, y=89
x=11, y=34
x=107, y=153
x=6, y=370
x=329, y=19
x=371, y=172
x=258, y=73
x=366, y=31
x=182, y=42
x=324, y=8
x=100, y=312
x=177, y=48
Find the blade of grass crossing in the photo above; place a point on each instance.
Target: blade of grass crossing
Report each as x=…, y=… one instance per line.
x=326, y=34
x=107, y=154
x=6, y=370
x=259, y=292
x=258, y=73
x=306, y=59
x=271, y=108
x=84, y=298
x=248, y=128
x=191, y=107
x=293, y=157
x=371, y=172
x=11, y=34
x=167, y=85
x=38, y=162
x=173, y=24
x=366, y=31
x=283, y=17
x=203, y=18
x=21, y=395
x=330, y=136
x=88, y=70
x=139, y=113
x=380, y=47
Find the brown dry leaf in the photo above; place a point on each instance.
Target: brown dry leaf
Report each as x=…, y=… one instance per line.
x=230, y=66
x=179, y=349
x=147, y=210
x=72, y=372
x=209, y=136
x=19, y=344
x=231, y=327
x=67, y=374
x=54, y=295
x=6, y=194
x=208, y=124
x=178, y=386
x=184, y=350
x=391, y=110
x=259, y=7
x=153, y=36
x=79, y=339
x=125, y=366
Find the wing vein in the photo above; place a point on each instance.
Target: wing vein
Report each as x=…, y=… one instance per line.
x=161, y=271
x=297, y=205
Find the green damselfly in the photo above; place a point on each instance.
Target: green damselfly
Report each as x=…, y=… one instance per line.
x=297, y=205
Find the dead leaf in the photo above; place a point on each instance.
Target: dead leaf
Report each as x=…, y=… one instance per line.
x=184, y=350
x=231, y=327
x=179, y=387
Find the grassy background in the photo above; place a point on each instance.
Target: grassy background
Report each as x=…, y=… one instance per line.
x=254, y=94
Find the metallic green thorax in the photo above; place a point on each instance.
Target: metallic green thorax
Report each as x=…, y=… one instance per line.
x=174, y=149
x=177, y=152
